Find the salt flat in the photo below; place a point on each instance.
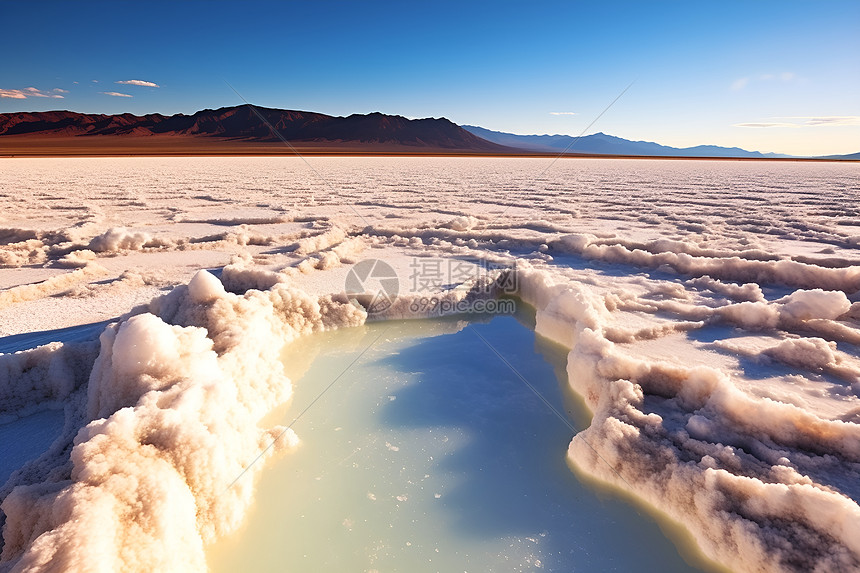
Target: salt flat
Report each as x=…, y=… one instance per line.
x=710, y=310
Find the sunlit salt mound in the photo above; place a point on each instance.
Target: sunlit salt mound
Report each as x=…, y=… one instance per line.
x=763, y=485
x=167, y=420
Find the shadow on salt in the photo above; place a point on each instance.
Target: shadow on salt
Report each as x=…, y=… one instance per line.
x=26, y=438
x=27, y=340
x=430, y=454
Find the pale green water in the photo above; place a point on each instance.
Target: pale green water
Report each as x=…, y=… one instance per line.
x=429, y=454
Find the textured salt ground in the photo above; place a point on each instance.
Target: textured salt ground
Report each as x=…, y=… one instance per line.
x=726, y=294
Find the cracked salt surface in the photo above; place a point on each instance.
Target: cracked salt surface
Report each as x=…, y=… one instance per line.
x=711, y=311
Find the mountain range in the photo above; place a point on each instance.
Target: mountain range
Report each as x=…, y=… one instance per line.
x=850, y=156
x=246, y=130
x=603, y=144
x=242, y=124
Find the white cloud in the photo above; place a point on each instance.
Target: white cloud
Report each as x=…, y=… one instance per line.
x=739, y=84
x=116, y=94
x=12, y=94
x=825, y=120
x=807, y=121
x=60, y=90
x=139, y=83
x=562, y=113
x=29, y=92
x=35, y=92
x=766, y=124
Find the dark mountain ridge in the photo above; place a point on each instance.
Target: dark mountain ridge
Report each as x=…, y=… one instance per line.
x=241, y=123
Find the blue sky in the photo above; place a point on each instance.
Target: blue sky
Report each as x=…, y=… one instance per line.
x=771, y=76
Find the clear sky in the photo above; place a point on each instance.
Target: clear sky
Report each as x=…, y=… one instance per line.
x=777, y=76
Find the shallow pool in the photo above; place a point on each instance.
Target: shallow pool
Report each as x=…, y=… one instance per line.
x=430, y=454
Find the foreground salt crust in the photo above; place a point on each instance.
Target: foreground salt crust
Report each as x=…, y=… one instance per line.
x=168, y=444
x=171, y=409
x=749, y=474
x=170, y=419
x=711, y=317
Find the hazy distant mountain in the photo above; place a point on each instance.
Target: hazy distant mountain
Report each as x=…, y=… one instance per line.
x=855, y=156
x=240, y=123
x=601, y=143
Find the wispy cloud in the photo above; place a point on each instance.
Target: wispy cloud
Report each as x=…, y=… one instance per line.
x=806, y=121
x=739, y=84
x=31, y=92
x=743, y=82
x=562, y=113
x=824, y=120
x=12, y=94
x=766, y=124
x=143, y=83
x=116, y=94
